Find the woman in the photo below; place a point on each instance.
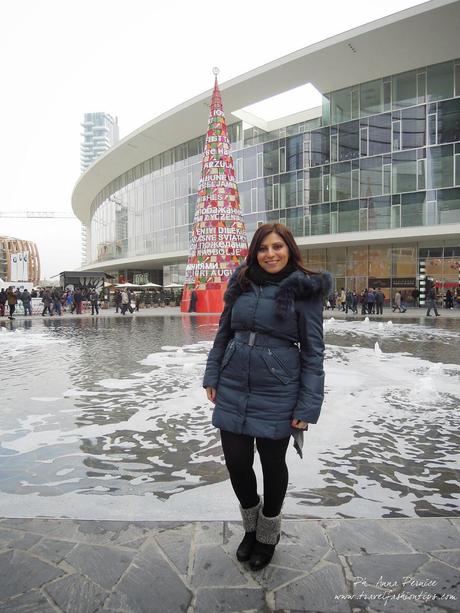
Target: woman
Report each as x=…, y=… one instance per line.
x=265, y=376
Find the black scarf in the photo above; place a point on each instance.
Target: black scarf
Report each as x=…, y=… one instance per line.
x=259, y=276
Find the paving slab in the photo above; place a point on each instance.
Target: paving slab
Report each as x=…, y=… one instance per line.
x=428, y=534
x=52, y=550
x=150, y=585
x=21, y=572
x=31, y=602
x=177, y=544
x=105, y=565
x=364, y=537
x=228, y=600
x=316, y=591
x=76, y=594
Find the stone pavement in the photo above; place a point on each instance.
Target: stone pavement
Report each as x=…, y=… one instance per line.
x=324, y=566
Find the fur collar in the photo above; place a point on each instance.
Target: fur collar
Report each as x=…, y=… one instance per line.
x=297, y=286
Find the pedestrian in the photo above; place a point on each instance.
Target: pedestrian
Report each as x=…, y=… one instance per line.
x=11, y=299
x=379, y=301
x=397, y=304
x=449, y=299
x=343, y=299
x=193, y=299
x=2, y=302
x=349, y=302
x=125, y=302
x=265, y=376
x=117, y=300
x=94, y=300
x=364, y=301
x=431, y=302
x=69, y=300
x=47, y=301
x=56, y=296
x=26, y=299
x=370, y=302
x=77, y=301
x=355, y=303
x=415, y=297
x=332, y=300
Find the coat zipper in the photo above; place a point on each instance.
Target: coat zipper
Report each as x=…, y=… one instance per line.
x=259, y=291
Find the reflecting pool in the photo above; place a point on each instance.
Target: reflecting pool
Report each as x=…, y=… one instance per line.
x=106, y=418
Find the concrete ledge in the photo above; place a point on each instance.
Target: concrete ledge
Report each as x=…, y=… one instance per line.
x=398, y=565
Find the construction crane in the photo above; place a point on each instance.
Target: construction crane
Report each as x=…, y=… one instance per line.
x=39, y=214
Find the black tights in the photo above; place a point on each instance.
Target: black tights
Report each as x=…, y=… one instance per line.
x=239, y=458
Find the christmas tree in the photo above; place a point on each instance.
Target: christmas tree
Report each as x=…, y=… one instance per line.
x=219, y=242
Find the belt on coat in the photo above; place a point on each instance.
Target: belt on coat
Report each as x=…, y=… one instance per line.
x=252, y=338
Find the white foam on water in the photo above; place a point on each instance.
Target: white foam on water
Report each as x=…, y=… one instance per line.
x=18, y=340
x=45, y=398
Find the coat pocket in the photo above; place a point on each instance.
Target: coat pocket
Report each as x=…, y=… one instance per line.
x=276, y=366
x=229, y=351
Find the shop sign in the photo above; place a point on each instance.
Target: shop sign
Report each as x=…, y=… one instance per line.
x=404, y=282
x=379, y=282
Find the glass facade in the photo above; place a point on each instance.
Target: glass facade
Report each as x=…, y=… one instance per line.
x=385, y=154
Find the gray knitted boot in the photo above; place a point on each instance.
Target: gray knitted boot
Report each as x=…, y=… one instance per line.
x=267, y=538
x=250, y=517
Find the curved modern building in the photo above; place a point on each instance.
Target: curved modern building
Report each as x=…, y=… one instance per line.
x=369, y=182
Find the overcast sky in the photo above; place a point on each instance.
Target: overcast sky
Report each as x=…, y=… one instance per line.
x=134, y=59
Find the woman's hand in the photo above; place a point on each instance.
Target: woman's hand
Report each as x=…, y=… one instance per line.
x=299, y=424
x=211, y=394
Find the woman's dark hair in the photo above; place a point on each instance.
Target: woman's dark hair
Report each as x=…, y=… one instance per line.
x=262, y=232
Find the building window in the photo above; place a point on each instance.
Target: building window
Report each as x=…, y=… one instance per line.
x=341, y=105
x=421, y=87
x=421, y=174
x=449, y=121
x=449, y=205
x=440, y=81
x=412, y=209
x=282, y=162
x=396, y=135
x=371, y=177
x=364, y=141
x=348, y=216
x=371, y=98
x=348, y=141
x=440, y=168
x=341, y=181
x=404, y=90
x=413, y=127
x=404, y=177
x=320, y=147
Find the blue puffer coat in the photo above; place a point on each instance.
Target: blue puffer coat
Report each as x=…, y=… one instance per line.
x=261, y=388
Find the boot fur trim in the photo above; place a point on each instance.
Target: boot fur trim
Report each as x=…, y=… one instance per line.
x=268, y=529
x=250, y=516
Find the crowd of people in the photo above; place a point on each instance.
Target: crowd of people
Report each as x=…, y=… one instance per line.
x=56, y=301
x=370, y=301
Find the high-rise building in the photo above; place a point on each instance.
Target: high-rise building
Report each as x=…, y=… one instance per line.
x=100, y=132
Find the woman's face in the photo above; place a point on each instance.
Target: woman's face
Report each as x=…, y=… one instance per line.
x=273, y=254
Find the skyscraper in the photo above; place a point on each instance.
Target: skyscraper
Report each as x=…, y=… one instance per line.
x=100, y=132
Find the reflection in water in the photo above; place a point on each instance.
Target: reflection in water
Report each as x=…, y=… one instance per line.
x=104, y=408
